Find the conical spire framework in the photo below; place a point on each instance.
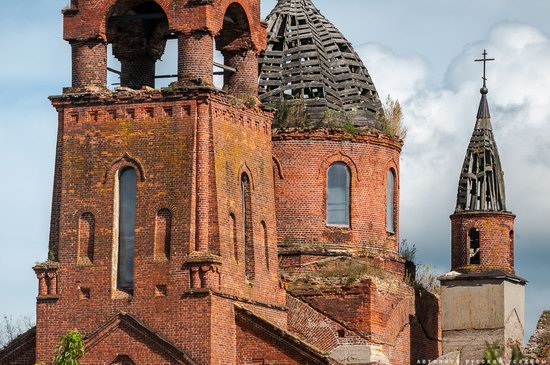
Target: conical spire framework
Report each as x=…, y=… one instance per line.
x=308, y=58
x=481, y=186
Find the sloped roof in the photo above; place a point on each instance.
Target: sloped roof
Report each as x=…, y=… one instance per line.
x=481, y=185
x=308, y=58
x=290, y=341
x=22, y=343
x=135, y=326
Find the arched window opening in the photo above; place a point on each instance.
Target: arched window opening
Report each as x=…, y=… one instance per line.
x=247, y=226
x=390, y=202
x=126, y=208
x=138, y=32
x=234, y=248
x=232, y=44
x=474, y=257
x=266, y=244
x=123, y=360
x=163, y=234
x=86, y=238
x=338, y=194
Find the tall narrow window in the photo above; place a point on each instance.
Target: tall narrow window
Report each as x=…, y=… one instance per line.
x=390, y=202
x=338, y=194
x=266, y=244
x=163, y=234
x=126, y=229
x=234, y=248
x=247, y=227
x=474, y=247
x=86, y=238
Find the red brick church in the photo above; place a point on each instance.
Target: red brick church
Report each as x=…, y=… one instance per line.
x=188, y=227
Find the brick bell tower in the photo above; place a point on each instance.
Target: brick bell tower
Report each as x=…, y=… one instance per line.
x=482, y=298
x=163, y=220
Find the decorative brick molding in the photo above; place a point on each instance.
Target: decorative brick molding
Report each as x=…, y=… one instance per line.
x=47, y=274
x=204, y=270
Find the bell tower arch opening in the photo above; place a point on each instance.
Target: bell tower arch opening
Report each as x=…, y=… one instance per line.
x=137, y=32
x=234, y=44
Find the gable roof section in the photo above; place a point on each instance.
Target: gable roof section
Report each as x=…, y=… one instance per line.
x=134, y=326
x=288, y=340
x=18, y=346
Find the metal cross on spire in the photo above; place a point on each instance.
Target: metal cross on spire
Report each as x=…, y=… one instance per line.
x=485, y=60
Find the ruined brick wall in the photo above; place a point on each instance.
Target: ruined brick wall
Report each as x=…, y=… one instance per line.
x=496, y=230
x=317, y=328
x=301, y=161
x=426, y=330
x=384, y=313
x=539, y=343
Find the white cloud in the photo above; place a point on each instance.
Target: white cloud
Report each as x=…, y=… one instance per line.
x=399, y=76
x=440, y=122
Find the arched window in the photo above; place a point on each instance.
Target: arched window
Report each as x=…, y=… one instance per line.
x=247, y=226
x=123, y=360
x=237, y=65
x=338, y=194
x=163, y=234
x=86, y=238
x=390, y=202
x=474, y=257
x=126, y=229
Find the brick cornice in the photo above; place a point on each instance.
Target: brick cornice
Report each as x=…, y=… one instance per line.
x=324, y=134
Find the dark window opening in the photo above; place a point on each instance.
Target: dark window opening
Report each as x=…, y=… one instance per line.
x=234, y=247
x=233, y=39
x=247, y=227
x=138, y=35
x=474, y=257
x=123, y=360
x=266, y=244
x=126, y=229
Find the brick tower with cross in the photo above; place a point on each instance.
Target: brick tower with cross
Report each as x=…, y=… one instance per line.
x=482, y=298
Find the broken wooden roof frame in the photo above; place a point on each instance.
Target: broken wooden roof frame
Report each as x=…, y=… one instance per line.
x=308, y=58
x=481, y=185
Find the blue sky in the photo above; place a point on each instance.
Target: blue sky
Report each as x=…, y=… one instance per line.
x=420, y=51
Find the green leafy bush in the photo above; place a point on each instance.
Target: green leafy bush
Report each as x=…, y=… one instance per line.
x=70, y=350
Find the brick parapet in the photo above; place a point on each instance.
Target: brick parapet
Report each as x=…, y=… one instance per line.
x=88, y=20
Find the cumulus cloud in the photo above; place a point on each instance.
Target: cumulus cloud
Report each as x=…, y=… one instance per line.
x=440, y=122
